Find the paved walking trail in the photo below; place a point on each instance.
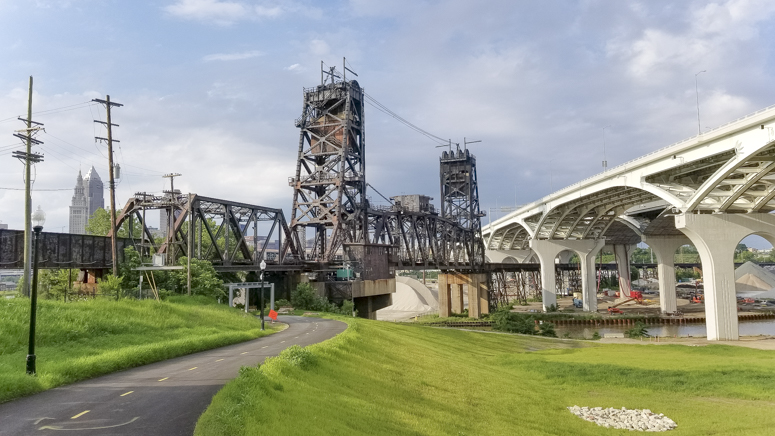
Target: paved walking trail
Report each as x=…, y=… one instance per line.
x=163, y=398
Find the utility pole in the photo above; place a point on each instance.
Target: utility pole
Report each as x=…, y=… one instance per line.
x=112, y=183
x=28, y=157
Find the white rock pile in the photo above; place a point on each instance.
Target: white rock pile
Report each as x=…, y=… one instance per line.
x=629, y=419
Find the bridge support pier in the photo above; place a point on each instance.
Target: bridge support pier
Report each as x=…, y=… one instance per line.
x=716, y=237
x=622, y=255
x=547, y=251
x=451, y=294
x=664, y=247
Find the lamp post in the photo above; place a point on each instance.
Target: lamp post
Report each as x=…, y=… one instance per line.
x=38, y=218
x=262, y=265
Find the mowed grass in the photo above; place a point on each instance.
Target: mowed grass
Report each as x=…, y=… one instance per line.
x=382, y=378
x=80, y=340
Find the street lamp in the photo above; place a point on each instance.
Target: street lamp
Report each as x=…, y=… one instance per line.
x=262, y=265
x=38, y=219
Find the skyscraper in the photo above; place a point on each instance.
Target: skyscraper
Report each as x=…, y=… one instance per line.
x=94, y=191
x=88, y=197
x=79, y=208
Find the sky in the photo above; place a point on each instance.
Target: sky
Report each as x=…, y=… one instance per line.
x=211, y=89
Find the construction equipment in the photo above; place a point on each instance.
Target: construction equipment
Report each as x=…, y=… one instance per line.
x=613, y=309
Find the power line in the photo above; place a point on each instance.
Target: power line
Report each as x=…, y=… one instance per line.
x=382, y=108
x=22, y=189
x=55, y=110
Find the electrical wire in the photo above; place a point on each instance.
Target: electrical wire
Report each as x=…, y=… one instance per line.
x=384, y=109
x=52, y=111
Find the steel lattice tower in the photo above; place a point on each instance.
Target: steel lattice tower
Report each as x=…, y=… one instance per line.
x=330, y=185
x=460, y=196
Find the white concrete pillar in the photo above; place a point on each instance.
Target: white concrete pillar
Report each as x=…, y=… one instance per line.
x=622, y=255
x=588, y=276
x=665, y=247
x=716, y=237
x=547, y=251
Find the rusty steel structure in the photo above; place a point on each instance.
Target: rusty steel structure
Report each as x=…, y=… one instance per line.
x=329, y=187
x=61, y=250
x=227, y=233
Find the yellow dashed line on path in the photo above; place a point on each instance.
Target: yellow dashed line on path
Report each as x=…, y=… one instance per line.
x=80, y=414
x=165, y=378
x=191, y=369
x=244, y=353
x=219, y=360
x=282, y=342
x=265, y=346
x=124, y=395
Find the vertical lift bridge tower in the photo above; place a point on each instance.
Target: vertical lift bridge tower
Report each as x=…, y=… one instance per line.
x=330, y=185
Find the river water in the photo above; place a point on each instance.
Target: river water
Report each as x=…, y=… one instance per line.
x=748, y=328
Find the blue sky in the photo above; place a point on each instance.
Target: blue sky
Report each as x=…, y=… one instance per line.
x=211, y=88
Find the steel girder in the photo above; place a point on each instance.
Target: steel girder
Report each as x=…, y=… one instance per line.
x=220, y=230
x=426, y=240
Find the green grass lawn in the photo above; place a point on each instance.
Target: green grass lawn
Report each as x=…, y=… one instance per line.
x=76, y=341
x=381, y=378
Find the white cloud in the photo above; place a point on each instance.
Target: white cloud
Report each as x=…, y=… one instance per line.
x=294, y=67
x=709, y=36
x=221, y=12
x=318, y=47
x=232, y=56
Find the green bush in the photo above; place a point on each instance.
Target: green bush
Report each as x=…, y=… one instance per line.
x=511, y=322
x=304, y=297
x=637, y=331
x=547, y=329
x=282, y=303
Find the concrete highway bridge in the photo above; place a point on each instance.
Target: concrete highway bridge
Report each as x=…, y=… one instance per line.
x=711, y=191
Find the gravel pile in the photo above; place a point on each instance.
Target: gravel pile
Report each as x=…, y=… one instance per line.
x=633, y=419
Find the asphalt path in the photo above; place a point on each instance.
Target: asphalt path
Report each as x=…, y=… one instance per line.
x=163, y=398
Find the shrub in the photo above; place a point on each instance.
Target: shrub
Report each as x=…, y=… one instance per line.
x=510, y=322
x=547, y=329
x=637, y=331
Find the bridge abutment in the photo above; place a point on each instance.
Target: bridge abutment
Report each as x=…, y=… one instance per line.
x=665, y=247
x=716, y=237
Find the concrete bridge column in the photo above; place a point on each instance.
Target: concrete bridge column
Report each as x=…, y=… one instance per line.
x=457, y=297
x=445, y=297
x=547, y=251
x=478, y=297
x=622, y=255
x=716, y=237
x=451, y=294
x=588, y=276
x=664, y=247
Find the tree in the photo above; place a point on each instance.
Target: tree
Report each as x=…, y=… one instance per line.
x=204, y=279
x=99, y=224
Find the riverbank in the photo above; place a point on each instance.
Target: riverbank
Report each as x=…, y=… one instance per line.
x=408, y=379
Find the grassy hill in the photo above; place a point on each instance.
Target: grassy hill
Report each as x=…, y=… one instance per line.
x=381, y=378
x=80, y=340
